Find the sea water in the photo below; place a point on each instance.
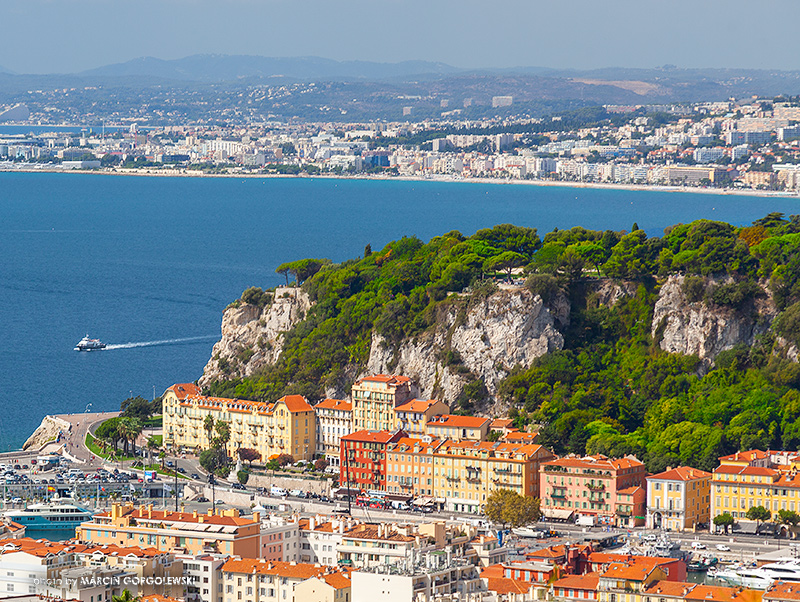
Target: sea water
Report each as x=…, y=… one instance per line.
x=148, y=264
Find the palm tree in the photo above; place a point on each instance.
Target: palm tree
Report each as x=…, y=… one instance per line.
x=124, y=432
x=152, y=445
x=136, y=427
x=126, y=596
x=208, y=425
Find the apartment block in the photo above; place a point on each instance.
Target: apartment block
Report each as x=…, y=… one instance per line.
x=375, y=398
x=334, y=420
x=194, y=533
x=413, y=416
x=458, y=428
x=678, y=499
x=286, y=426
x=363, y=458
x=260, y=580
x=462, y=474
x=755, y=478
x=590, y=486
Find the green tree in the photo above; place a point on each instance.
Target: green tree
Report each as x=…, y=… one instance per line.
x=242, y=476
x=283, y=270
x=758, y=514
x=509, y=508
x=136, y=407
x=223, y=430
x=788, y=517
x=126, y=596
x=724, y=520
x=248, y=455
x=508, y=237
x=214, y=461
x=208, y=426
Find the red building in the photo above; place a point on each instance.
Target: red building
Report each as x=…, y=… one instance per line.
x=363, y=458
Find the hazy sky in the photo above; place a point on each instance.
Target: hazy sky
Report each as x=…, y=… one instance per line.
x=47, y=36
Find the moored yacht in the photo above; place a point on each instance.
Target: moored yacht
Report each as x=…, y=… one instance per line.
x=50, y=516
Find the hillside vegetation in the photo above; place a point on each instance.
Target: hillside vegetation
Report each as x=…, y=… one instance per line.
x=612, y=389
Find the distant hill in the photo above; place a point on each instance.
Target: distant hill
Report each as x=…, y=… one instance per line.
x=220, y=67
x=4, y=70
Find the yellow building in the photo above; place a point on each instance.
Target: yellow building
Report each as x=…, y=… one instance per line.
x=412, y=416
x=375, y=398
x=678, y=499
x=458, y=428
x=462, y=473
x=286, y=426
x=756, y=478
x=197, y=533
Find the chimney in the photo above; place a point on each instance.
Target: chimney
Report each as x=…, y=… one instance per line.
x=257, y=517
x=149, y=510
x=211, y=512
x=194, y=513
x=311, y=523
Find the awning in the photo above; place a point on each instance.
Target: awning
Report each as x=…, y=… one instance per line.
x=423, y=501
x=557, y=513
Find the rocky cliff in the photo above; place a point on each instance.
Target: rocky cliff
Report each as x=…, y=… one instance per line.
x=705, y=329
x=252, y=337
x=483, y=341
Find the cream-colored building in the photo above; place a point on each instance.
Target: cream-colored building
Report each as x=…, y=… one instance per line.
x=334, y=420
x=458, y=428
x=266, y=581
x=286, y=426
x=678, y=499
x=329, y=587
x=374, y=400
x=412, y=416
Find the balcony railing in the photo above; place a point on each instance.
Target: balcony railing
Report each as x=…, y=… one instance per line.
x=596, y=486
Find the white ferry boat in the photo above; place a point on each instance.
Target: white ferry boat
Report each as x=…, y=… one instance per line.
x=50, y=516
x=87, y=344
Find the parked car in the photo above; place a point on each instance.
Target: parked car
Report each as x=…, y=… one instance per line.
x=202, y=499
x=239, y=486
x=195, y=476
x=297, y=493
x=723, y=548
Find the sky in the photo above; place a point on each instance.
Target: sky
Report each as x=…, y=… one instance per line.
x=67, y=36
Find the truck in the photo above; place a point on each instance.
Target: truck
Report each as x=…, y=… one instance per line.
x=585, y=521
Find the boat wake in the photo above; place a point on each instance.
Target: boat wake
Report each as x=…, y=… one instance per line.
x=163, y=342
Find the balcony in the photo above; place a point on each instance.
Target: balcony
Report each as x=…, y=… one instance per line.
x=596, y=486
x=562, y=494
x=451, y=478
x=624, y=512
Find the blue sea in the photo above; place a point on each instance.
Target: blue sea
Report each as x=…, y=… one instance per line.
x=147, y=264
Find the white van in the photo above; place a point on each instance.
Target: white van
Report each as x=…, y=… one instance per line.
x=277, y=491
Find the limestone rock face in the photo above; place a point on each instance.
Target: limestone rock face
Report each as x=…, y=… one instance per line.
x=252, y=337
x=508, y=328
x=706, y=330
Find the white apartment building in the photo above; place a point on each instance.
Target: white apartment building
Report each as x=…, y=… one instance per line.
x=334, y=419
x=202, y=572
x=319, y=539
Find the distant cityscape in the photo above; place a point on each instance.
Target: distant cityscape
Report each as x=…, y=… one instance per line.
x=749, y=145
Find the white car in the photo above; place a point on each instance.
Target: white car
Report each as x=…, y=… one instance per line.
x=723, y=548
x=696, y=545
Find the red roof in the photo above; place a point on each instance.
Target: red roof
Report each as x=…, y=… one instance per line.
x=334, y=404
x=373, y=436
x=417, y=405
x=182, y=391
x=681, y=473
x=383, y=378
x=296, y=403
x=458, y=421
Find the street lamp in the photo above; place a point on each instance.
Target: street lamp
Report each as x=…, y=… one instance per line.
x=212, y=481
x=88, y=405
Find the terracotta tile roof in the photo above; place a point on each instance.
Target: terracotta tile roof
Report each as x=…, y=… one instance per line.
x=144, y=517
x=493, y=570
x=334, y=404
x=42, y=548
x=588, y=581
x=502, y=585
x=296, y=403
x=304, y=524
x=630, y=490
x=595, y=462
x=455, y=421
x=781, y=590
x=373, y=436
x=606, y=558
x=408, y=444
x=551, y=552
x=383, y=378
x=184, y=390
x=520, y=437
x=669, y=588
x=417, y=405
x=501, y=423
x=681, y=473
x=337, y=580
x=714, y=593
x=292, y=570
x=745, y=470
x=158, y=598
x=633, y=572
x=745, y=456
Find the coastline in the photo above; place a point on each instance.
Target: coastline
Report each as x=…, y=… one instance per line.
x=174, y=173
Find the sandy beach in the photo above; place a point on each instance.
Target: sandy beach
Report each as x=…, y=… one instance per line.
x=9, y=167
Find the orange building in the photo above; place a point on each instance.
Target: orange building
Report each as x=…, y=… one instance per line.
x=461, y=474
x=375, y=398
x=196, y=533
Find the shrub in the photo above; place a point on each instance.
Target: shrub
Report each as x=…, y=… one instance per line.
x=787, y=324
x=693, y=288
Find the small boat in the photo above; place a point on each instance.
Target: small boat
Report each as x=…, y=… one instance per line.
x=702, y=564
x=87, y=344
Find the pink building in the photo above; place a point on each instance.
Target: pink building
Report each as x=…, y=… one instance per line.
x=594, y=486
x=279, y=539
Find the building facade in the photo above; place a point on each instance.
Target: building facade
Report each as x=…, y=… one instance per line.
x=412, y=416
x=374, y=400
x=458, y=428
x=286, y=426
x=334, y=420
x=363, y=458
x=588, y=485
x=678, y=499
